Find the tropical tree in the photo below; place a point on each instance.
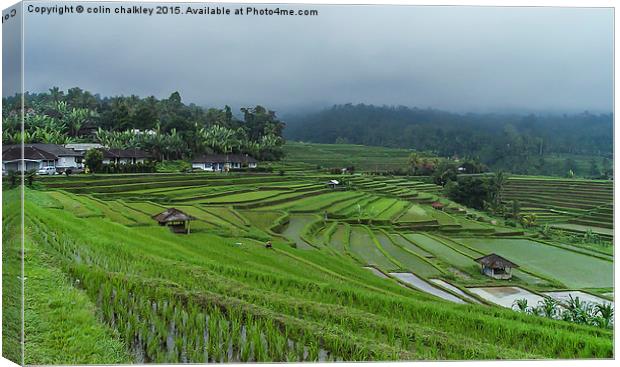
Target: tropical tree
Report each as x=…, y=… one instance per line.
x=76, y=119
x=604, y=315
x=445, y=172
x=93, y=159
x=548, y=307
x=14, y=177
x=577, y=310
x=528, y=220
x=498, y=183
x=29, y=177
x=56, y=94
x=414, y=162
x=219, y=138
x=521, y=304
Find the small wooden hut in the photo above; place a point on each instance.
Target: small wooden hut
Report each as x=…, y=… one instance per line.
x=496, y=266
x=178, y=221
x=437, y=205
x=333, y=184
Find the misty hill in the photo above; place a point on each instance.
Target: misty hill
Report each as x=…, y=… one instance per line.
x=509, y=141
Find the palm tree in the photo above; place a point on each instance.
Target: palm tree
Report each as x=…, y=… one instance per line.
x=414, y=162
x=56, y=94
x=497, y=185
x=76, y=119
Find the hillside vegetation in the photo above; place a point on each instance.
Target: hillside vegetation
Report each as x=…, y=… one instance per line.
x=524, y=144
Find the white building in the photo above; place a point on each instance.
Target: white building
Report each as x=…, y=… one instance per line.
x=223, y=162
x=83, y=147
x=125, y=156
x=36, y=156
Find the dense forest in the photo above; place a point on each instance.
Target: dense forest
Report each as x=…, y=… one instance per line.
x=517, y=143
x=167, y=127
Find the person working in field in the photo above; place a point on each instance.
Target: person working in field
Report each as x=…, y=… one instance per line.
x=268, y=244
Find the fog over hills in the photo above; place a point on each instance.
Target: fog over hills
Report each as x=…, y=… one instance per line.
x=460, y=59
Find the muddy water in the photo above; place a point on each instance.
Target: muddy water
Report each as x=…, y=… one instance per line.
x=506, y=296
x=295, y=227
x=454, y=289
x=422, y=285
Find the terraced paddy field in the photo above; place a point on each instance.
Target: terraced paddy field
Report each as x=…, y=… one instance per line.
x=574, y=270
x=295, y=228
x=346, y=155
x=153, y=295
x=417, y=282
x=571, y=205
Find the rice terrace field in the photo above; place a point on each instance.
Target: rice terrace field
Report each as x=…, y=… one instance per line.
x=218, y=295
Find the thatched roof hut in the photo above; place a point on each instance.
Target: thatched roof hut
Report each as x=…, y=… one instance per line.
x=177, y=220
x=496, y=266
x=437, y=205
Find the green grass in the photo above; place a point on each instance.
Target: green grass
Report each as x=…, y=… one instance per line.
x=135, y=216
x=415, y=213
x=314, y=203
x=408, y=260
x=441, y=251
x=12, y=275
x=149, y=209
x=74, y=205
x=346, y=155
x=261, y=219
x=62, y=325
x=242, y=197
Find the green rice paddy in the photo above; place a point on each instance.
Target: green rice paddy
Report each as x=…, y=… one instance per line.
x=146, y=294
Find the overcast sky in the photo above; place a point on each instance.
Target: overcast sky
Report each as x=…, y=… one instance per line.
x=454, y=58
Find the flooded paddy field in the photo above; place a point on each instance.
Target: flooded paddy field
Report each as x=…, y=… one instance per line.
x=422, y=285
x=506, y=296
x=294, y=229
x=454, y=289
x=564, y=296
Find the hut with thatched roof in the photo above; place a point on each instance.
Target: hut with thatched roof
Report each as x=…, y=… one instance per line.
x=496, y=266
x=178, y=221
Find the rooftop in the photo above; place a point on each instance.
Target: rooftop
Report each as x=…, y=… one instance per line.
x=172, y=215
x=37, y=152
x=125, y=153
x=495, y=261
x=224, y=158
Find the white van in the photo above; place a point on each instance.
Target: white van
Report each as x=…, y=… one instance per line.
x=49, y=170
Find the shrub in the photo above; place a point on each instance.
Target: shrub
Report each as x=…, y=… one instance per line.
x=173, y=166
x=93, y=159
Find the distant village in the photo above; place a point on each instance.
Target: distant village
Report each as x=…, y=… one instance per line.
x=50, y=159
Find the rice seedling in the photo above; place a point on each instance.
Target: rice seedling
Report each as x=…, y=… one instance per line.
x=198, y=299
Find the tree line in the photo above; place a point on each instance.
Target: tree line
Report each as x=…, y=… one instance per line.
x=515, y=143
x=167, y=127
